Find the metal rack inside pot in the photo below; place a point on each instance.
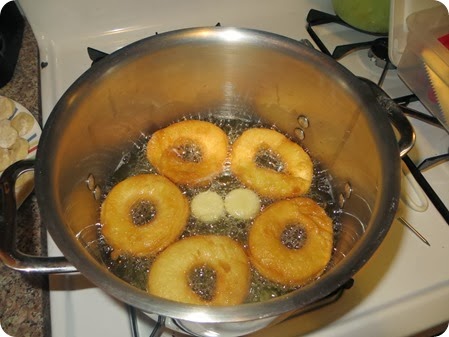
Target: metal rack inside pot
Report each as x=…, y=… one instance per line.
x=378, y=50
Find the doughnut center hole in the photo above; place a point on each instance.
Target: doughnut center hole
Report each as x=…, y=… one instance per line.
x=267, y=158
x=202, y=280
x=189, y=152
x=142, y=212
x=294, y=236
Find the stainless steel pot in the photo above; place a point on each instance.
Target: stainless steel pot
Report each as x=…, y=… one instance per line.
x=236, y=73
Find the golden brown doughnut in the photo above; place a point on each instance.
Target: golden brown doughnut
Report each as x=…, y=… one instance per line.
x=169, y=274
x=292, y=266
x=118, y=225
x=190, y=152
x=295, y=178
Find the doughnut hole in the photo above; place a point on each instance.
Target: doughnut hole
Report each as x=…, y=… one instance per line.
x=142, y=212
x=267, y=158
x=207, y=207
x=242, y=204
x=203, y=281
x=294, y=236
x=189, y=152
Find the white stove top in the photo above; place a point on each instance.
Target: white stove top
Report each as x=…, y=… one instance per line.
x=404, y=287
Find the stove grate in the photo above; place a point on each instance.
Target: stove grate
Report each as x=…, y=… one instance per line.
x=379, y=48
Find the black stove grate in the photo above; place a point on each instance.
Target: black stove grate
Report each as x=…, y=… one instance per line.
x=379, y=48
x=317, y=18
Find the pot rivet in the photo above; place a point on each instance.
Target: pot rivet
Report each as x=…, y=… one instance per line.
x=97, y=192
x=300, y=133
x=348, y=190
x=90, y=182
x=341, y=200
x=303, y=121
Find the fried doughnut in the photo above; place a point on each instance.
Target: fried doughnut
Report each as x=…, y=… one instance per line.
x=155, y=230
x=291, y=241
x=292, y=180
x=169, y=276
x=190, y=152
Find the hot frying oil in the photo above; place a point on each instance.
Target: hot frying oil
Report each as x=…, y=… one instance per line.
x=135, y=270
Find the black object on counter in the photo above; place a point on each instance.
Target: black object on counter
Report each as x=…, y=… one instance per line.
x=11, y=33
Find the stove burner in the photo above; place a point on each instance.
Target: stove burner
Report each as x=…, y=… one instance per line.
x=378, y=48
x=379, y=53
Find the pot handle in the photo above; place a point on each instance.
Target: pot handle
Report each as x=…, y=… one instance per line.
x=402, y=125
x=9, y=254
x=397, y=117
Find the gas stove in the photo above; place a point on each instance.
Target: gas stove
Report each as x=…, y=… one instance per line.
x=404, y=287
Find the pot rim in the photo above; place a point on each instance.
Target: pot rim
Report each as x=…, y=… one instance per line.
x=333, y=279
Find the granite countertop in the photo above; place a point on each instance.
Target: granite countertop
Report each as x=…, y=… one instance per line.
x=24, y=304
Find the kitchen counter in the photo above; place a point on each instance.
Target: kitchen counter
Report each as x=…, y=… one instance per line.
x=24, y=304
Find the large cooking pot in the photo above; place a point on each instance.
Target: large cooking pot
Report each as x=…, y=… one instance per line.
x=228, y=72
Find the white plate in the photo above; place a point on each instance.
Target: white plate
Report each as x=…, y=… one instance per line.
x=25, y=183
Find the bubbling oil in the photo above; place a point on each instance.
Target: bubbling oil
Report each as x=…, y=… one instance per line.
x=135, y=270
